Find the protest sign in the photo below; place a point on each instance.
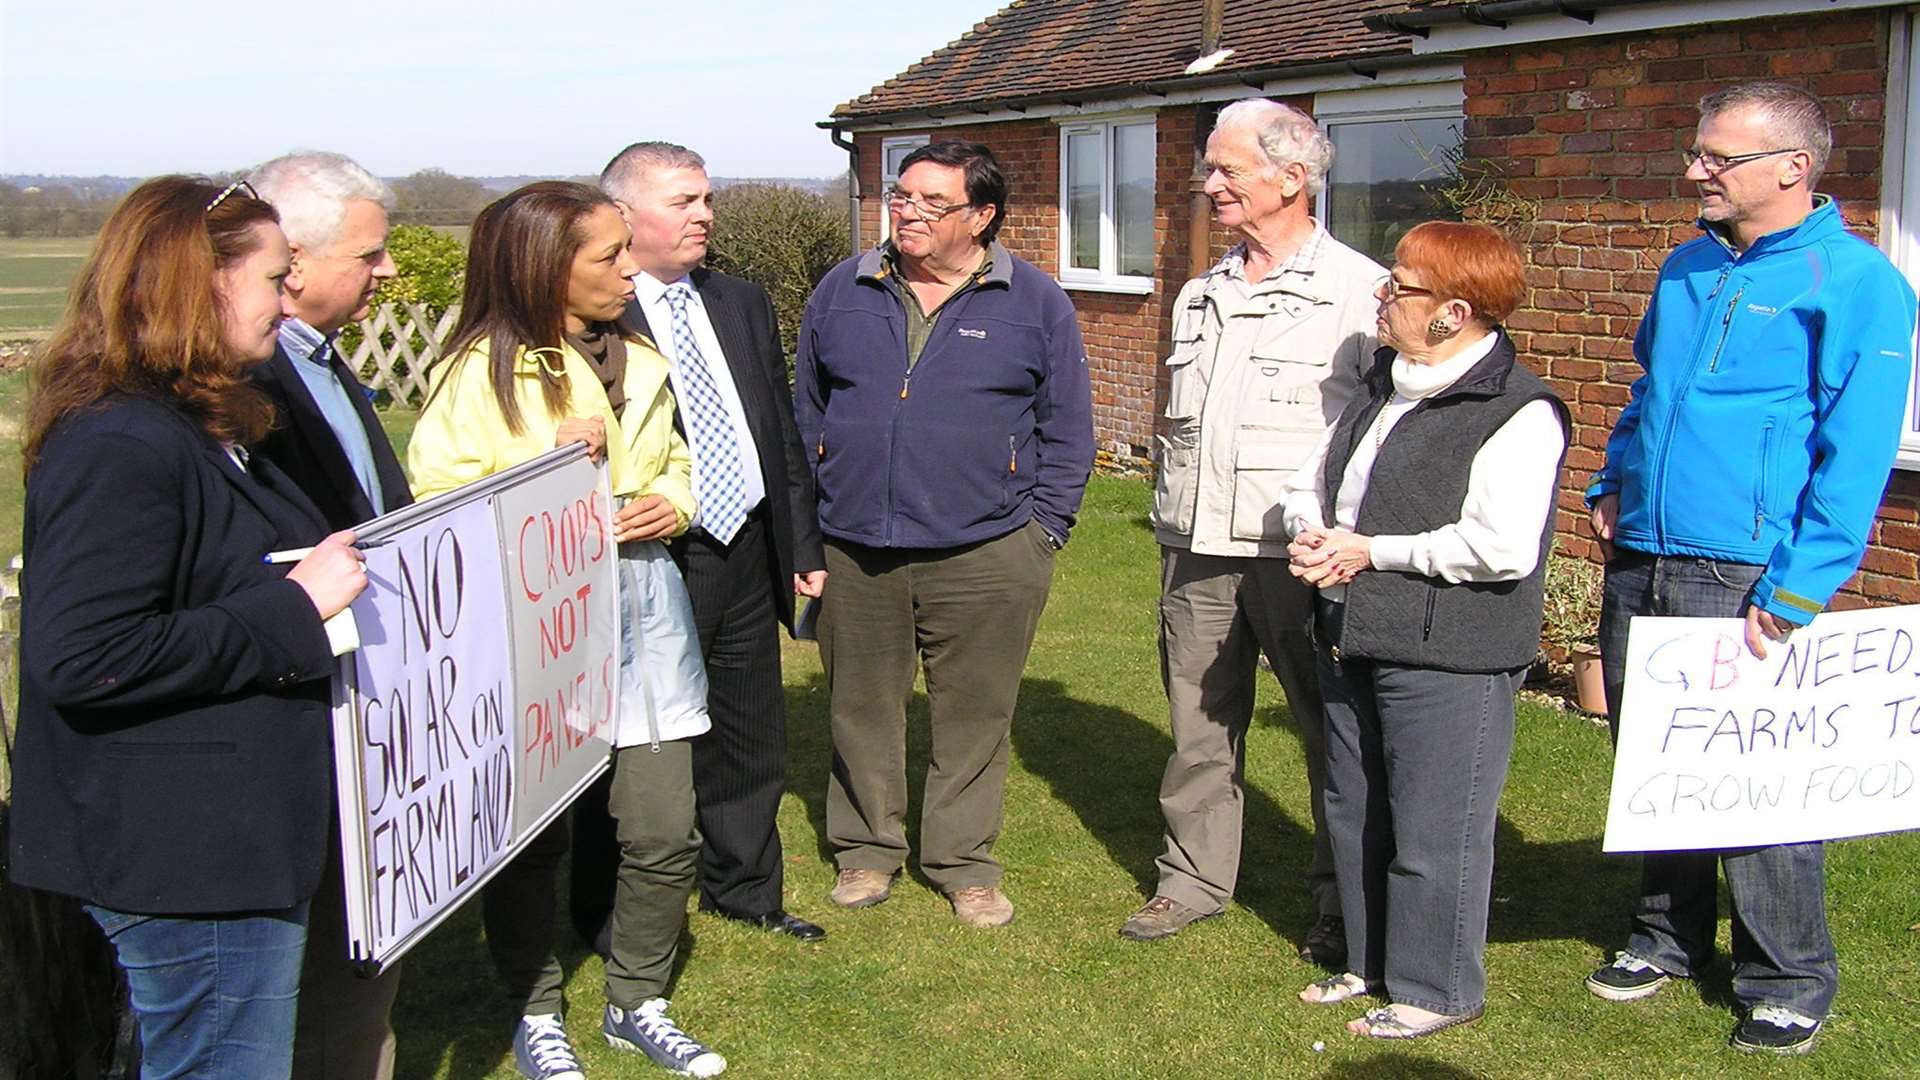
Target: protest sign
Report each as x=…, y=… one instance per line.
x=1720, y=749
x=480, y=702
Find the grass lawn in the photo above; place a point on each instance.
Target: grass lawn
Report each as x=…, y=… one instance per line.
x=34, y=272
x=901, y=990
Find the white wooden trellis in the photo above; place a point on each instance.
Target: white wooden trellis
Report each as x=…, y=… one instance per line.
x=400, y=367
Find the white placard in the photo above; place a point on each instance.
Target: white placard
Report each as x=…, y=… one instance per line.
x=479, y=703
x=1719, y=749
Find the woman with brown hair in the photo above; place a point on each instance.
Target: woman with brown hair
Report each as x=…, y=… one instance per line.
x=537, y=361
x=173, y=768
x=1424, y=518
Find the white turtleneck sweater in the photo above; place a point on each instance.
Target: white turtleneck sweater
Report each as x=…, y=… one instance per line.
x=1510, y=486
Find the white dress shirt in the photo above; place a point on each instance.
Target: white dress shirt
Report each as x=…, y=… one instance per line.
x=651, y=292
x=1510, y=486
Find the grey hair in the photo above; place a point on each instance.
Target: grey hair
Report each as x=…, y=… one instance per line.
x=622, y=176
x=311, y=189
x=1286, y=135
x=1792, y=115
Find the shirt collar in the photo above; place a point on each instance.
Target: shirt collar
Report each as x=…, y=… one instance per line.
x=302, y=342
x=650, y=290
x=1304, y=260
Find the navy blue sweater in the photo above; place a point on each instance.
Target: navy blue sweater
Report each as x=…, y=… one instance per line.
x=992, y=428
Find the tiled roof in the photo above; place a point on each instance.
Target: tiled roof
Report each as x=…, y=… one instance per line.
x=1036, y=48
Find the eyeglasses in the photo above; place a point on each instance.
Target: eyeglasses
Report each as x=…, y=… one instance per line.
x=237, y=185
x=1394, y=290
x=929, y=212
x=1717, y=163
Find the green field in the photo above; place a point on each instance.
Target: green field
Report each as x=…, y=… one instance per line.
x=34, y=273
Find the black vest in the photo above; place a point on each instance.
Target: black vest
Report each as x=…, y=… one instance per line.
x=1418, y=483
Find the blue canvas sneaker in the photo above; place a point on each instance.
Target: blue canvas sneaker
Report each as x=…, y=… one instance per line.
x=1771, y=1029
x=647, y=1030
x=541, y=1050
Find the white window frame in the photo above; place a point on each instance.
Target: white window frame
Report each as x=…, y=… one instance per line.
x=1900, y=193
x=1380, y=105
x=908, y=143
x=1103, y=279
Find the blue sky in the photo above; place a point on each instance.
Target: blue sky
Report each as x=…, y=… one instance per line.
x=479, y=88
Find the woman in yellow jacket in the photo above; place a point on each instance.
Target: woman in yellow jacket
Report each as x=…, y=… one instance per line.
x=538, y=361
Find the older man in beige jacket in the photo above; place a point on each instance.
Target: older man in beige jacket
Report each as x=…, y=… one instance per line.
x=1267, y=348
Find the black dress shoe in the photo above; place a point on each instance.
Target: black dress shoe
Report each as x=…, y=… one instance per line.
x=779, y=922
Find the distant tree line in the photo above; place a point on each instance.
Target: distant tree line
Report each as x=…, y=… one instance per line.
x=53, y=210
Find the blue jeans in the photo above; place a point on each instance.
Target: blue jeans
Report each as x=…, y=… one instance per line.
x=215, y=995
x=1416, y=760
x=1782, y=953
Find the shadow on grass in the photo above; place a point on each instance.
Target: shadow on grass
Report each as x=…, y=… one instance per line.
x=1394, y=1065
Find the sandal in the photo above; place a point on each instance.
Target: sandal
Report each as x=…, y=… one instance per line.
x=1384, y=1023
x=1335, y=989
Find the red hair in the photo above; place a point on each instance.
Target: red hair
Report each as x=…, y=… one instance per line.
x=1463, y=261
x=144, y=317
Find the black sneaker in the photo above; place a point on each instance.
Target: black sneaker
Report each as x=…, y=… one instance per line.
x=1326, y=943
x=648, y=1030
x=541, y=1050
x=1628, y=978
x=1770, y=1029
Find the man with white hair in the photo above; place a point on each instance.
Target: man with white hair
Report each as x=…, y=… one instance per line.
x=328, y=440
x=1267, y=348
x=326, y=436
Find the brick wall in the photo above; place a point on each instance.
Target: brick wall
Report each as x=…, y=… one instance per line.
x=1592, y=130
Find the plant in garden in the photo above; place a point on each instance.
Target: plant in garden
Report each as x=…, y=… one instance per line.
x=783, y=239
x=432, y=267
x=1573, y=603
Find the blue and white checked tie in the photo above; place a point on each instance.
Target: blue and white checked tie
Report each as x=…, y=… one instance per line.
x=720, y=491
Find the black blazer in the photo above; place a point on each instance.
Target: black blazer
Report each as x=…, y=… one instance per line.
x=173, y=752
x=744, y=321
x=304, y=446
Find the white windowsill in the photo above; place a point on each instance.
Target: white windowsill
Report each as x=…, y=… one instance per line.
x=1130, y=286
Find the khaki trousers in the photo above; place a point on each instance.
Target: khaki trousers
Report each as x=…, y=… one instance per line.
x=967, y=616
x=1217, y=614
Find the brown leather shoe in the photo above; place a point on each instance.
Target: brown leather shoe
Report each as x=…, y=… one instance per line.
x=1326, y=943
x=981, y=906
x=1160, y=917
x=861, y=888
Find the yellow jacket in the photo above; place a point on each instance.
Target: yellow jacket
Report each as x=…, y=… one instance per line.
x=462, y=435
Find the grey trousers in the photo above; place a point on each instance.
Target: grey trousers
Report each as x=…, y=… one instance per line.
x=967, y=616
x=652, y=807
x=1217, y=614
x=1416, y=760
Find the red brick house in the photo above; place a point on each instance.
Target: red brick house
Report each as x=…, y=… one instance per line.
x=1569, y=114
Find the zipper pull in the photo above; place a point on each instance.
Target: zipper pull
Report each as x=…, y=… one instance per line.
x=820, y=449
x=1013, y=458
x=904, y=383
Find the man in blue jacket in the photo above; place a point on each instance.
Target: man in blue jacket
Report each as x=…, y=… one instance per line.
x=1741, y=481
x=942, y=396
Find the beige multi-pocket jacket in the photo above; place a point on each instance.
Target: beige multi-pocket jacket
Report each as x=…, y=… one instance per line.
x=1257, y=375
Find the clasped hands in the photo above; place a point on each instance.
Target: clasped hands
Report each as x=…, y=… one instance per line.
x=649, y=517
x=1324, y=558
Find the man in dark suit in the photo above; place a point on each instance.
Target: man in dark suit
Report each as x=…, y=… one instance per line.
x=327, y=439
x=755, y=541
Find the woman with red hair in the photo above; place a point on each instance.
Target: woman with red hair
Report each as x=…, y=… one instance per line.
x=1424, y=518
x=174, y=769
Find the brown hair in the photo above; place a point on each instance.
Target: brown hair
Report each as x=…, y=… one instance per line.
x=144, y=317
x=519, y=261
x=1463, y=261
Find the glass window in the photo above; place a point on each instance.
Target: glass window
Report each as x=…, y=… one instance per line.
x=1385, y=180
x=892, y=152
x=1900, y=193
x=1106, y=204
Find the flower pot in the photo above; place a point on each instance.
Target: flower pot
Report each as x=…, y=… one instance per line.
x=1590, y=686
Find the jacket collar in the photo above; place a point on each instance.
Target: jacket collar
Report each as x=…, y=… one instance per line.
x=1817, y=226
x=874, y=265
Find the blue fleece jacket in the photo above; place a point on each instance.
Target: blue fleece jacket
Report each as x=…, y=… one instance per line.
x=991, y=429
x=1771, y=408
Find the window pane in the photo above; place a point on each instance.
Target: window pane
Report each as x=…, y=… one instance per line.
x=1385, y=179
x=1084, y=176
x=895, y=153
x=1133, y=198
